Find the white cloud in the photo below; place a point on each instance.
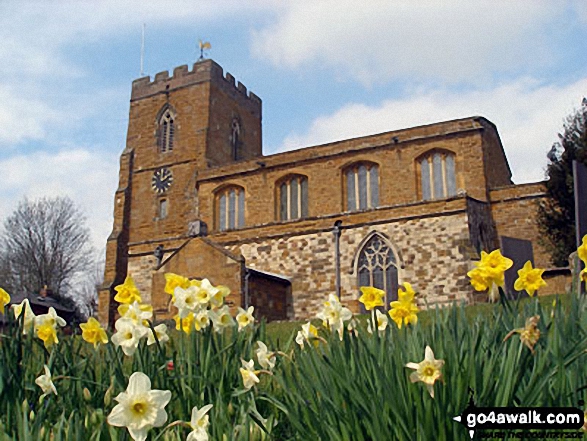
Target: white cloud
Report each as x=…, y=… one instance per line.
x=528, y=117
x=458, y=40
x=88, y=178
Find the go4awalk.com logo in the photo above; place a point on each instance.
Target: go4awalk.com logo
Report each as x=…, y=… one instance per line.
x=519, y=418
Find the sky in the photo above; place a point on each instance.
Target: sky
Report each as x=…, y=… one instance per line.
x=326, y=70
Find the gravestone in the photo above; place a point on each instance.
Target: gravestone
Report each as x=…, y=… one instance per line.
x=520, y=251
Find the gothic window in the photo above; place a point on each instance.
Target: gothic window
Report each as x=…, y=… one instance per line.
x=230, y=208
x=166, y=131
x=235, y=139
x=437, y=175
x=377, y=266
x=293, y=198
x=362, y=186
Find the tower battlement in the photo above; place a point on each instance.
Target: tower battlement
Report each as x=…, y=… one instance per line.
x=202, y=71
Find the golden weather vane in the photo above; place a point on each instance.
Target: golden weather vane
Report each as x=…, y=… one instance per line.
x=204, y=45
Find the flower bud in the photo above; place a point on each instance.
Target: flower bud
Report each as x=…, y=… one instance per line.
x=86, y=393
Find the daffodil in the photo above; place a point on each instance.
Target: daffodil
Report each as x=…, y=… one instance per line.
x=29, y=316
x=529, y=334
x=50, y=318
x=93, y=333
x=245, y=318
x=529, y=279
x=428, y=371
x=172, y=281
x=186, y=300
x=309, y=332
x=199, y=424
x=140, y=408
x=403, y=313
x=137, y=312
x=127, y=292
x=583, y=275
x=217, y=299
x=265, y=358
x=372, y=297
x=160, y=333
x=381, y=321
x=185, y=324
x=489, y=270
x=4, y=300
x=201, y=320
x=206, y=292
x=406, y=294
x=333, y=315
x=248, y=374
x=221, y=318
x=128, y=335
x=48, y=333
x=46, y=383
x=582, y=250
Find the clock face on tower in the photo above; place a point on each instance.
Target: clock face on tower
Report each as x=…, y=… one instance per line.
x=162, y=179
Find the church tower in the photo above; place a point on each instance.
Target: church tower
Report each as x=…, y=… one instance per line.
x=178, y=125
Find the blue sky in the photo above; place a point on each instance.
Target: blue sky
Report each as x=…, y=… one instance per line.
x=325, y=70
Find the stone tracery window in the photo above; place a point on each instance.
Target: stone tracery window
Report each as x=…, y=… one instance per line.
x=166, y=131
x=437, y=175
x=377, y=266
x=230, y=208
x=362, y=186
x=293, y=198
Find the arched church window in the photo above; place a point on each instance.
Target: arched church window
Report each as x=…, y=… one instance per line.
x=362, y=186
x=230, y=208
x=437, y=175
x=377, y=267
x=293, y=198
x=166, y=131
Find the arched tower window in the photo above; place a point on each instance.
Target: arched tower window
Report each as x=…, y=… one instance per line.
x=377, y=266
x=166, y=130
x=362, y=186
x=235, y=138
x=437, y=175
x=293, y=197
x=230, y=208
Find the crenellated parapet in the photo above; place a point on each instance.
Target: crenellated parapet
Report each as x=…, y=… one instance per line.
x=202, y=71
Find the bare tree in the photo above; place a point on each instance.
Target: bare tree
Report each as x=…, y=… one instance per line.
x=45, y=243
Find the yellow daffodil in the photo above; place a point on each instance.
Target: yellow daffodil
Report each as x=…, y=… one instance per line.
x=265, y=358
x=185, y=324
x=406, y=294
x=160, y=333
x=428, y=371
x=372, y=297
x=582, y=250
x=309, y=332
x=4, y=300
x=29, y=316
x=199, y=424
x=139, y=408
x=403, y=313
x=47, y=333
x=248, y=374
x=127, y=292
x=172, y=281
x=489, y=270
x=93, y=333
x=529, y=279
x=46, y=383
x=529, y=334
x=245, y=318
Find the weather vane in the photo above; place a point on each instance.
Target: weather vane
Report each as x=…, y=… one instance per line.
x=204, y=45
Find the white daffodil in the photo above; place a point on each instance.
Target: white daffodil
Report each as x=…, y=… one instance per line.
x=333, y=315
x=308, y=333
x=206, y=293
x=248, y=374
x=217, y=299
x=199, y=424
x=160, y=332
x=221, y=318
x=29, y=315
x=45, y=383
x=186, y=300
x=382, y=322
x=128, y=335
x=245, y=318
x=266, y=359
x=201, y=320
x=137, y=312
x=139, y=408
x=50, y=318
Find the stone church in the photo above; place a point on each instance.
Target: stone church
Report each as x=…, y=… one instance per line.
x=197, y=197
